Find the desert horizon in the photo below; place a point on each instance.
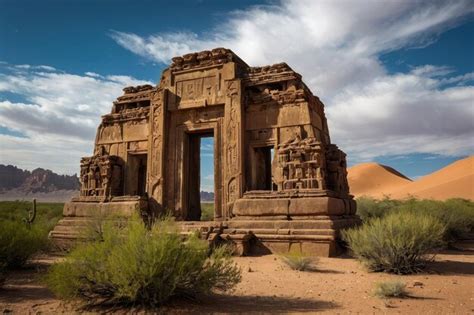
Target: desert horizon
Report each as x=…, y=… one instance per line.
x=237, y=157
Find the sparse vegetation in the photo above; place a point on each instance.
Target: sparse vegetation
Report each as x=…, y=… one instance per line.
x=299, y=261
x=400, y=242
x=389, y=289
x=207, y=211
x=369, y=208
x=135, y=265
x=18, y=242
x=456, y=214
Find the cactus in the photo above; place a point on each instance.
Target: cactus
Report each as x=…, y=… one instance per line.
x=31, y=215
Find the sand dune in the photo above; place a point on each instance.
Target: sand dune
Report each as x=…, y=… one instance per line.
x=453, y=181
x=374, y=180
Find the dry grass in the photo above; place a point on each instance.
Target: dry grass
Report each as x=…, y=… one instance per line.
x=299, y=261
x=390, y=289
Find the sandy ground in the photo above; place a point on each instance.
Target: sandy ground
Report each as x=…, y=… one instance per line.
x=337, y=286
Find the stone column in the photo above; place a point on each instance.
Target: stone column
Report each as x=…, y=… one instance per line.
x=155, y=180
x=233, y=144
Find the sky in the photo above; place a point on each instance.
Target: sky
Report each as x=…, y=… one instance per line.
x=396, y=77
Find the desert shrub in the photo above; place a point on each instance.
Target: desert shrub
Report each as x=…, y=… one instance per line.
x=369, y=208
x=456, y=214
x=18, y=242
x=135, y=265
x=389, y=289
x=299, y=261
x=400, y=242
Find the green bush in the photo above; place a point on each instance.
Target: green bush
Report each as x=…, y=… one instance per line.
x=400, y=242
x=298, y=261
x=369, y=208
x=389, y=289
x=456, y=214
x=18, y=242
x=135, y=265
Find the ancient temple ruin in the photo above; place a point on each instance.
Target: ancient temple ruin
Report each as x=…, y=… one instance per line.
x=280, y=183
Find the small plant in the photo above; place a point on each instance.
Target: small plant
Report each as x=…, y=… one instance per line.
x=132, y=265
x=390, y=289
x=400, y=242
x=298, y=261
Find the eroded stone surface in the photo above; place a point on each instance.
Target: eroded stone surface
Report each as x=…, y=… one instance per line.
x=273, y=158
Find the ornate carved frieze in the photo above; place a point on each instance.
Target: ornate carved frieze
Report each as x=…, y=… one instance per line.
x=139, y=93
x=279, y=72
x=133, y=114
x=299, y=164
x=101, y=175
x=289, y=96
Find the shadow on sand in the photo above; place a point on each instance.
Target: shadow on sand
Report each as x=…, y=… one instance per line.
x=254, y=304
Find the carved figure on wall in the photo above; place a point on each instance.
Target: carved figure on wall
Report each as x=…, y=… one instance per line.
x=299, y=164
x=99, y=173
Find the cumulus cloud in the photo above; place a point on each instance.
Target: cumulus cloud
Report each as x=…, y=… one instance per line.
x=336, y=46
x=58, y=114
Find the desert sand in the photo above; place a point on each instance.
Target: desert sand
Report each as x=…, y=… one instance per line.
x=336, y=285
x=374, y=180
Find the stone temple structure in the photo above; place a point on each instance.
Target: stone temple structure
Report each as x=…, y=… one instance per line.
x=280, y=184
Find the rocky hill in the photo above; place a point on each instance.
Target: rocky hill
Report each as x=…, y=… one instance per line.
x=43, y=185
x=36, y=181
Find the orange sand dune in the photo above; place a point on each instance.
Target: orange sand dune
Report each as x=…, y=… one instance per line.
x=453, y=181
x=374, y=180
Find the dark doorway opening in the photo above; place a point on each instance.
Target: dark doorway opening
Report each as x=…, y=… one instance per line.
x=262, y=163
x=197, y=155
x=137, y=171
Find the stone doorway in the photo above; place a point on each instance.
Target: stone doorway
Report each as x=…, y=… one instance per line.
x=137, y=174
x=193, y=210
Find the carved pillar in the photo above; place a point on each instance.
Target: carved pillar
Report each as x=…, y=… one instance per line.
x=233, y=144
x=155, y=182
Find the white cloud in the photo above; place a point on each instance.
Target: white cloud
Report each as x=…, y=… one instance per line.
x=59, y=114
x=336, y=46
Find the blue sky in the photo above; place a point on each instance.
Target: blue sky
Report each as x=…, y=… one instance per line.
x=397, y=77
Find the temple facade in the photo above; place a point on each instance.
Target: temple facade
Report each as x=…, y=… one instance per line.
x=279, y=182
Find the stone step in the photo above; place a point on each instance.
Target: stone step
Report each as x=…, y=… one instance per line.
x=282, y=231
x=281, y=224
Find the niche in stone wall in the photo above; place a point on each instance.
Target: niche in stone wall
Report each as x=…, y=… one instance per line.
x=261, y=168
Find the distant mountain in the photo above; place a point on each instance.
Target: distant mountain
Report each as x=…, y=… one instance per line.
x=36, y=181
x=207, y=196
x=44, y=185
